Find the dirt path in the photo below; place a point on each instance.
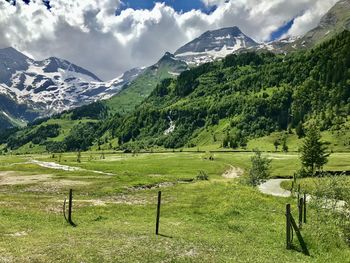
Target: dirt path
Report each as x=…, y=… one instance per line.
x=273, y=187
x=57, y=166
x=233, y=172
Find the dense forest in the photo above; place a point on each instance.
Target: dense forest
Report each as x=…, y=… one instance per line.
x=258, y=92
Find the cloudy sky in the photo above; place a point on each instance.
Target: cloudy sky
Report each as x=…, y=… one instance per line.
x=109, y=37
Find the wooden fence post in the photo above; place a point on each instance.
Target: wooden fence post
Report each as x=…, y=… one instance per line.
x=158, y=212
x=70, y=205
x=288, y=227
x=304, y=208
x=300, y=209
x=300, y=238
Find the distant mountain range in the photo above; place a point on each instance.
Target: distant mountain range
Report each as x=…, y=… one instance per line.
x=31, y=89
x=53, y=85
x=49, y=86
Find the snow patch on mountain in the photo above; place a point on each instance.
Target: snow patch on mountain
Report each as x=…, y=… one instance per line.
x=213, y=45
x=54, y=85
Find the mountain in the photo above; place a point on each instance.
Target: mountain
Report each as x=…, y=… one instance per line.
x=336, y=20
x=214, y=44
x=141, y=87
x=245, y=96
x=226, y=103
x=14, y=114
x=52, y=85
x=81, y=120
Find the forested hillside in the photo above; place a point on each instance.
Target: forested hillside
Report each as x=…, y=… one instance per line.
x=259, y=93
x=254, y=93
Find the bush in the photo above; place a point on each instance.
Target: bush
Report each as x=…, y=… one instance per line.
x=260, y=169
x=202, y=176
x=331, y=198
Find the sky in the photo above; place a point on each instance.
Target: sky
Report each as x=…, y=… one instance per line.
x=109, y=37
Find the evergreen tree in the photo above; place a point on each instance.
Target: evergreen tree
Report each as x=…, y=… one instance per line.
x=284, y=145
x=79, y=157
x=313, y=151
x=276, y=143
x=300, y=130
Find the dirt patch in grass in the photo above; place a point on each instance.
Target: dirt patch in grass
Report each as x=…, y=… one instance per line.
x=43, y=183
x=6, y=259
x=64, y=182
x=14, y=178
x=122, y=199
x=159, y=185
x=155, y=175
x=56, y=185
x=233, y=172
x=17, y=234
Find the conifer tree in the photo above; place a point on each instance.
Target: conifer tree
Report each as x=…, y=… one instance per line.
x=313, y=151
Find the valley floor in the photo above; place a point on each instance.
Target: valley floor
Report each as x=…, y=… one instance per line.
x=114, y=207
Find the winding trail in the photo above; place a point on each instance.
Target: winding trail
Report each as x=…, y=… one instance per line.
x=273, y=187
x=57, y=166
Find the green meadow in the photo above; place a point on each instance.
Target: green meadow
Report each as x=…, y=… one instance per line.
x=114, y=207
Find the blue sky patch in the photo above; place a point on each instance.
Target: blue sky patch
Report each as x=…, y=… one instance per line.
x=282, y=30
x=178, y=5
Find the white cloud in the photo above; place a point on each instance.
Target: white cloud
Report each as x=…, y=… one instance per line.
x=90, y=35
x=310, y=18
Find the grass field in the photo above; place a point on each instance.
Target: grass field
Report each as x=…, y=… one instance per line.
x=220, y=220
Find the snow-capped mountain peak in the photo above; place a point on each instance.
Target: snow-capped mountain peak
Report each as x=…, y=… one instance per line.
x=214, y=44
x=53, y=84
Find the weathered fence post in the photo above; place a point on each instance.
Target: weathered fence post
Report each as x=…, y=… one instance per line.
x=158, y=211
x=70, y=205
x=304, y=208
x=300, y=209
x=300, y=238
x=288, y=227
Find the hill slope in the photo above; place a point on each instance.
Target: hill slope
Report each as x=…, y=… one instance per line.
x=142, y=86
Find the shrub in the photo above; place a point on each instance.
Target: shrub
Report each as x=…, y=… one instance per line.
x=260, y=169
x=202, y=176
x=331, y=198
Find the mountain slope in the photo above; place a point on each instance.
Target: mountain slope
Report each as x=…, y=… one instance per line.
x=141, y=87
x=336, y=20
x=255, y=94
x=214, y=44
x=14, y=114
x=52, y=85
x=86, y=116
x=228, y=102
